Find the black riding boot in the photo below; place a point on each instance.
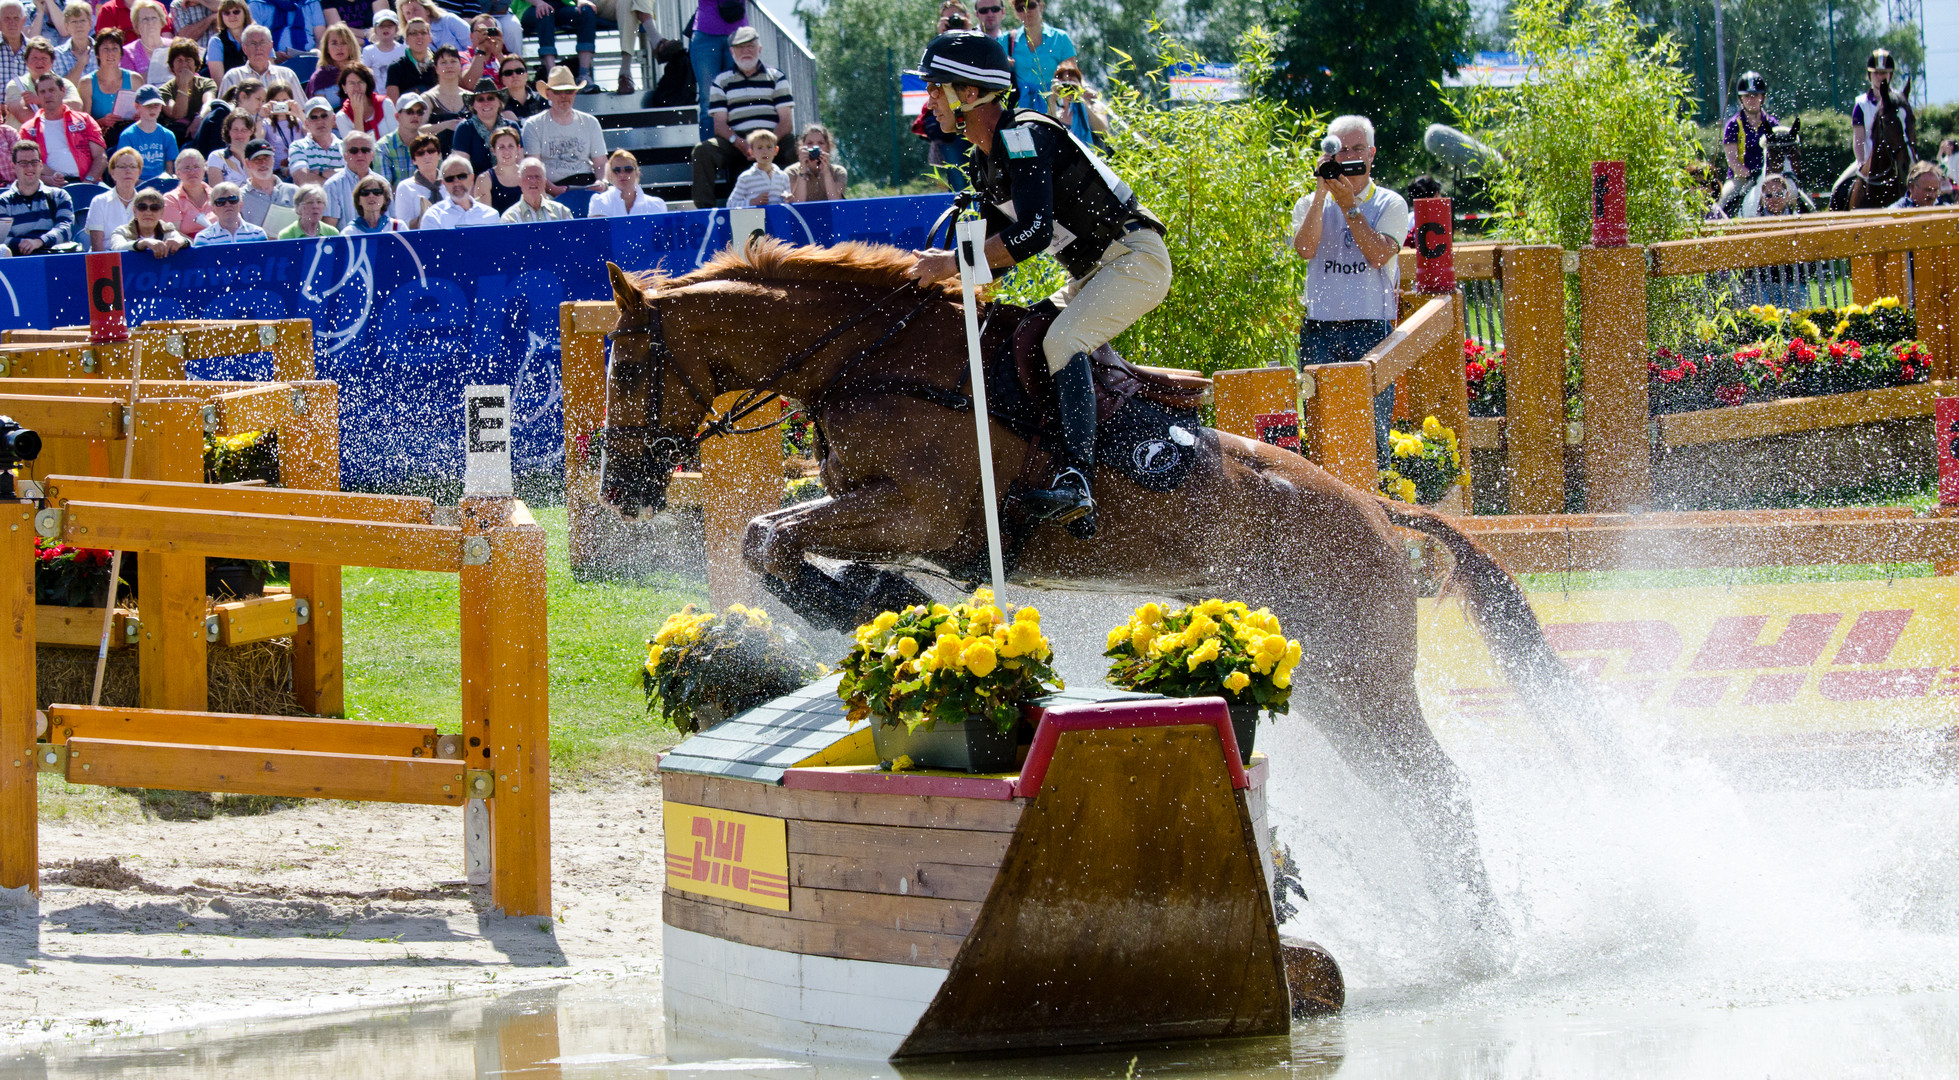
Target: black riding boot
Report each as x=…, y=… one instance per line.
x=1069, y=501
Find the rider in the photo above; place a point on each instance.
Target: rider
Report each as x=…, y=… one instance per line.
x=1864, y=113
x=1743, y=137
x=1040, y=190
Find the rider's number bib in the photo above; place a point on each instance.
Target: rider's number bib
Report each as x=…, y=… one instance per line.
x=1020, y=142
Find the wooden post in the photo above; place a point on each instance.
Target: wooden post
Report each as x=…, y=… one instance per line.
x=741, y=477
x=1435, y=385
x=1936, y=296
x=170, y=446
x=309, y=458
x=1244, y=394
x=1533, y=376
x=1618, y=446
x=20, y=852
x=1340, y=422
x=1865, y=279
x=292, y=351
x=506, y=683
x=582, y=347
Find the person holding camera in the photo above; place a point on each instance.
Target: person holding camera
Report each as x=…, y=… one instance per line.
x=816, y=176
x=1350, y=231
x=1040, y=189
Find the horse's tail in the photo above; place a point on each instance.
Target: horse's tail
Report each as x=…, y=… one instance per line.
x=1496, y=604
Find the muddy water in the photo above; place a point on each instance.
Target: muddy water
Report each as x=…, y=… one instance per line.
x=614, y=1031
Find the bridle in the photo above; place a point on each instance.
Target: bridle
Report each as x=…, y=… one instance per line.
x=666, y=450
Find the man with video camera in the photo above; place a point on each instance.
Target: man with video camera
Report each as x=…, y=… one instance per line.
x=1351, y=241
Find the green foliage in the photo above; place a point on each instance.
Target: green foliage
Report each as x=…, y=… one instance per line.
x=1105, y=31
x=1223, y=178
x=860, y=47
x=702, y=668
x=1424, y=463
x=1599, y=94
x=925, y=665
x=1380, y=58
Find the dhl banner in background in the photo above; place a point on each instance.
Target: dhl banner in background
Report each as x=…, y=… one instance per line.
x=728, y=855
x=1729, y=661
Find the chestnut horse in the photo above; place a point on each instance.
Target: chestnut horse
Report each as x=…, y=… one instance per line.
x=880, y=364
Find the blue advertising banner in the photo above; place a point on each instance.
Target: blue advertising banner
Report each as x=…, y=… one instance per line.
x=404, y=321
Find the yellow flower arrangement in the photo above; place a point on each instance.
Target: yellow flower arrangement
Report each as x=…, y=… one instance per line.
x=1425, y=463
x=1214, y=647
x=703, y=666
x=927, y=664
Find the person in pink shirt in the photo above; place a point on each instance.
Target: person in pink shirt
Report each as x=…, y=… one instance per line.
x=188, y=206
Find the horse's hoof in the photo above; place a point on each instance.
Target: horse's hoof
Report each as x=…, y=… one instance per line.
x=1313, y=979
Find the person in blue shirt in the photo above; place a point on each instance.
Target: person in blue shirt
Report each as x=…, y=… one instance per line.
x=1036, y=50
x=148, y=137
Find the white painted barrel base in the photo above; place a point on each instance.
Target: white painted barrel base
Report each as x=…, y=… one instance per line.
x=725, y=990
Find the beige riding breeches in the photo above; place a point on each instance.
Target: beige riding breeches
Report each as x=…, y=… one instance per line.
x=1132, y=278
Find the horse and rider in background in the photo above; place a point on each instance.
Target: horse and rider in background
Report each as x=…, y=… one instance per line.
x=1883, y=127
x=1764, y=157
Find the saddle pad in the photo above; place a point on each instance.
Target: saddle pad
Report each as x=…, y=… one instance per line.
x=1153, y=446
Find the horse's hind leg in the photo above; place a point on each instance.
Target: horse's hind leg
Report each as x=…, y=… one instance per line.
x=1384, y=738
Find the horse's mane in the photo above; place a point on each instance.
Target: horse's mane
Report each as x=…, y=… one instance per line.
x=772, y=260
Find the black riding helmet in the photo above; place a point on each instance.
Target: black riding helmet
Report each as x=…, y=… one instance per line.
x=1881, y=60
x=1751, y=82
x=968, y=58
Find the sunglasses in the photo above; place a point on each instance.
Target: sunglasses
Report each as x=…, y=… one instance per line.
x=228, y=200
x=1023, y=5
x=373, y=193
x=508, y=72
x=994, y=10
x=624, y=170
x=456, y=178
x=360, y=149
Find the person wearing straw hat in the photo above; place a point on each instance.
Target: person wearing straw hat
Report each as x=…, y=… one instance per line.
x=569, y=142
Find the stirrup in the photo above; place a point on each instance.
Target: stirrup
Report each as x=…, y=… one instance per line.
x=1068, y=500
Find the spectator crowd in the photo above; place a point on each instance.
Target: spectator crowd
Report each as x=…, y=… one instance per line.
x=223, y=121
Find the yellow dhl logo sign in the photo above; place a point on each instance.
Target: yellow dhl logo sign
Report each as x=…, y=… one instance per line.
x=728, y=855
x=1829, y=656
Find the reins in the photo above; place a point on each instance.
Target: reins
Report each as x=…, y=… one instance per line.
x=764, y=392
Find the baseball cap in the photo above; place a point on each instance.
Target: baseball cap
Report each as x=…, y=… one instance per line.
x=257, y=147
x=149, y=95
x=411, y=101
x=318, y=104
x=744, y=35
x=386, y=16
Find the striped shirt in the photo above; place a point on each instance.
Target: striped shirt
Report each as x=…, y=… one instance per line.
x=753, y=181
x=749, y=102
x=48, y=215
x=307, y=153
x=521, y=212
x=391, y=158
x=13, y=62
x=215, y=234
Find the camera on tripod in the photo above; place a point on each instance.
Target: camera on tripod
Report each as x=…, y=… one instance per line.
x=18, y=445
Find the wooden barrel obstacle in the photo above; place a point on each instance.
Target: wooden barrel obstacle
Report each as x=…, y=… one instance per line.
x=501, y=756
x=1113, y=889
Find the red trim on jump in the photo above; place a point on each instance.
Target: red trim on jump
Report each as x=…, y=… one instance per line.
x=1160, y=712
x=871, y=781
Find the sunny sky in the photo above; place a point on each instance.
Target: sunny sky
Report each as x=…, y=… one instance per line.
x=1942, y=50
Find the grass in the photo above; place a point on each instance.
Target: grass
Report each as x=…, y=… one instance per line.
x=403, y=639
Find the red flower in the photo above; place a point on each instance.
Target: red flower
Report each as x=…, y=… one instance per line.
x=1730, y=394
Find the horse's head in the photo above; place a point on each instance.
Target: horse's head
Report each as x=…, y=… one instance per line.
x=651, y=411
x=1782, y=148
x=1892, y=131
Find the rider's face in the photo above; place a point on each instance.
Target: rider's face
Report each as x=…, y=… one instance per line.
x=1751, y=102
x=940, y=97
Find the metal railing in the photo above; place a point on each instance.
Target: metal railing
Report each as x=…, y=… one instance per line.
x=780, y=50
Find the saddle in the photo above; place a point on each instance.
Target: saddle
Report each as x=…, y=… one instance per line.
x=1010, y=339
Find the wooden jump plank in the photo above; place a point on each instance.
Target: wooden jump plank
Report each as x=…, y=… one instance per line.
x=1739, y=250
x=151, y=388
x=1672, y=541
x=19, y=837
x=57, y=417
x=890, y=844
x=258, y=619
x=775, y=931
x=245, y=730
x=946, y=881
x=291, y=773
x=1790, y=415
x=1421, y=332
x=912, y=811
x=436, y=548
x=80, y=627
x=869, y=910
x=291, y=502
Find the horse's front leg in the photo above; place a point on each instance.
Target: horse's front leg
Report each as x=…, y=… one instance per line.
x=872, y=521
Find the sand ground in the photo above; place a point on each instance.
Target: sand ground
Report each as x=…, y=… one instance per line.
x=147, y=924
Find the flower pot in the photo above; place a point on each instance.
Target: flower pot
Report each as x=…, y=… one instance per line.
x=1244, y=724
x=975, y=745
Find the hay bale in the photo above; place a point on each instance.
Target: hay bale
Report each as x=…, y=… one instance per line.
x=254, y=678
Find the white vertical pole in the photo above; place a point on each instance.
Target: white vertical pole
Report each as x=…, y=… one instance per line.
x=970, y=249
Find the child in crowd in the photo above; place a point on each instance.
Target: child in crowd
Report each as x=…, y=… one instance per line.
x=146, y=136
x=761, y=183
x=386, y=45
